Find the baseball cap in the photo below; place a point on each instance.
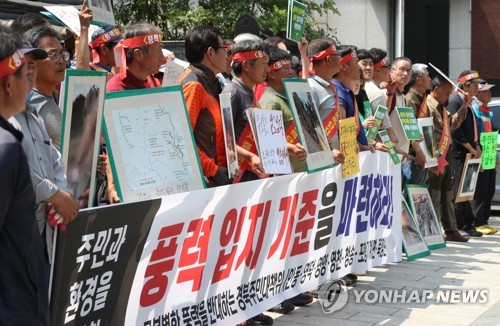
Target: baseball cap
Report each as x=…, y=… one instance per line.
x=110, y=33
x=484, y=87
x=38, y=54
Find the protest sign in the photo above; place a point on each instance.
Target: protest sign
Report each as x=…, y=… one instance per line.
x=103, y=12
x=413, y=242
x=82, y=104
x=68, y=15
x=367, y=107
x=229, y=137
x=428, y=146
x=296, y=20
x=348, y=146
x=172, y=69
x=388, y=143
x=379, y=115
x=150, y=143
x=425, y=215
x=226, y=253
x=489, y=145
x=269, y=134
x=309, y=125
x=409, y=123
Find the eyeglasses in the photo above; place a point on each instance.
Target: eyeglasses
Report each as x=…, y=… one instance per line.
x=58, y=56
x=403, y=70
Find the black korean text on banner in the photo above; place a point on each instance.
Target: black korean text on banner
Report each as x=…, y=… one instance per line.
x=96, y=255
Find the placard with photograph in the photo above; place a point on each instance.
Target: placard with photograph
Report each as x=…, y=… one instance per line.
x=269, y=134
x=309, y=125
x=103, y=12
x=425, y=215
x=468, y=181
x=413, y=243
x=229, y=137
x=151, y=144
x=82, y=104
x=428, y=145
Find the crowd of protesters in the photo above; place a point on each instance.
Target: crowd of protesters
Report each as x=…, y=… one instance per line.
x=34, y=193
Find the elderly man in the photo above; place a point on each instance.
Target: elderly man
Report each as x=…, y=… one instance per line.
x=465, y=139
x=23, y=278
x=419, y=84
x=141, y=57
x=51, y=72
x=46, y=169
x=440, y=177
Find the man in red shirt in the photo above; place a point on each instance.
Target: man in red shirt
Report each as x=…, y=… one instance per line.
x=141, y=58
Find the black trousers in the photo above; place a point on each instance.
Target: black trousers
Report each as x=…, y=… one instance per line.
x=485, y=190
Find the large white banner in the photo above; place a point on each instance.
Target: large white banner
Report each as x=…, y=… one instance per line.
x=223, y=255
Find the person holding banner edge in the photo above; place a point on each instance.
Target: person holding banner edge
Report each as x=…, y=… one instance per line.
x=23, y=277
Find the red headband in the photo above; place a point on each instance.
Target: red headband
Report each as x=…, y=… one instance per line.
x=11, y=64
x=324, y=54
x=279, y=64
x=382, y=63
x=466, y=78
x=249, y=55
x=347, y=58
x=104, y=38
x=134, y=42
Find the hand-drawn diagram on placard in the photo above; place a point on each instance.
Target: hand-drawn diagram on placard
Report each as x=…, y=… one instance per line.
x=151, y=143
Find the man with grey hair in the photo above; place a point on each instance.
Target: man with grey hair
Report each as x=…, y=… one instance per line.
x=141, y=57
x=419, y=84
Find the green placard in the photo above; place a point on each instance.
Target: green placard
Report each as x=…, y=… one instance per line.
x=368, y=109
x=379, y=116
x=296, y=20
x=489, y=145
x=387, y=142
x=409, y=123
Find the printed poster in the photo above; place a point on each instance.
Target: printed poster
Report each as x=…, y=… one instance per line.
x=387, y=142
x=296, y=20
x=409, y=123
x=428, y=145
x=229, y=137
x=309, y=125
x=82, y=104
x=150, y=143
x=379, y=115
x=348, y=146
x=269, y=133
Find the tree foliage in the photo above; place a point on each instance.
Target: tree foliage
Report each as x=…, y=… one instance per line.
x=176, y=17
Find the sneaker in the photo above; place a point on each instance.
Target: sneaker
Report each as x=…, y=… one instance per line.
x=473, y=233
x=301, y=299
x=283, y=308
x=350, y=279
x=493, y=230
x=455, y=237
x=262, y=319
x=248, y=323
x=484, y=229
